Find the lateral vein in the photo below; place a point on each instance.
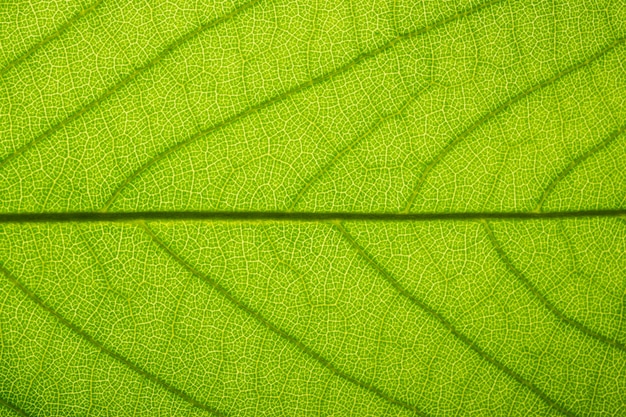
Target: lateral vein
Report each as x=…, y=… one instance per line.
x=612, y=137
x=13, y=407
x=105, y=349
x=289, y=93
x=46, y=40
x=127, y=79
x=295, y=342
x=485, y=118
x=449, y=325
x=539, y=296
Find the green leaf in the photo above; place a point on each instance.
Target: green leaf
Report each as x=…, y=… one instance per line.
x=267, y=208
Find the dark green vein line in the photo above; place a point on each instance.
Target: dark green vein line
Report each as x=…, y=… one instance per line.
x=128, y=79
x=577, y=161
x=62, y=29
x=106, y=350
x=237, y=216
x=259, y=318
x=543, y=300
x=289, y=93
x=499, y=109
x=13, y=407
x=449, y=326
x=378, y=123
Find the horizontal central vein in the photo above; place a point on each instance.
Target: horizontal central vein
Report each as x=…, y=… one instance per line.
x=259, y=318
x=106, y=350
x=293, y=91
x=488, y=357
x=236, y=216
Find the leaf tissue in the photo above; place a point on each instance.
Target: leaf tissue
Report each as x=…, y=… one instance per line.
x=313, y=208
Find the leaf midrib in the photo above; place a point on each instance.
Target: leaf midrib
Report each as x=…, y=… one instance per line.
x=302, y=216
x=325, y=363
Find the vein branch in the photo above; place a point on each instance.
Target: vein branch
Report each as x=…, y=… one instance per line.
x=126, y=80
x=500, y=108
x=295, y=342
x=378, y=123
x=538, y=295
x=52, y=36
x=13, y=407
x=391, y=280
x=365, y=56
x=612, y=137
x=105, y=349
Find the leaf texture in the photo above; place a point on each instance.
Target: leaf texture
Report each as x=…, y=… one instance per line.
x=268, y=208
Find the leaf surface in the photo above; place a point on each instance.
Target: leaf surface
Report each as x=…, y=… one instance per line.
x=267, y=208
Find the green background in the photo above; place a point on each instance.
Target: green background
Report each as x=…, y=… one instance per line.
x=354, y=108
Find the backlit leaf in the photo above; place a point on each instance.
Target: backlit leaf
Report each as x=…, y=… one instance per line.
x=268, y=208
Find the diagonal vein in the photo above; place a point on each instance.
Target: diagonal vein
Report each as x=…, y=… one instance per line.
x=259, y=318
x=378, y=123
x=17, y=410
x=612, y=137
x=106, y=350
x=124, y=81
x=60, y=30
x=278, y=216
x=449, y=326
x=542, y=298
x=291, y=92
x=501, y=108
